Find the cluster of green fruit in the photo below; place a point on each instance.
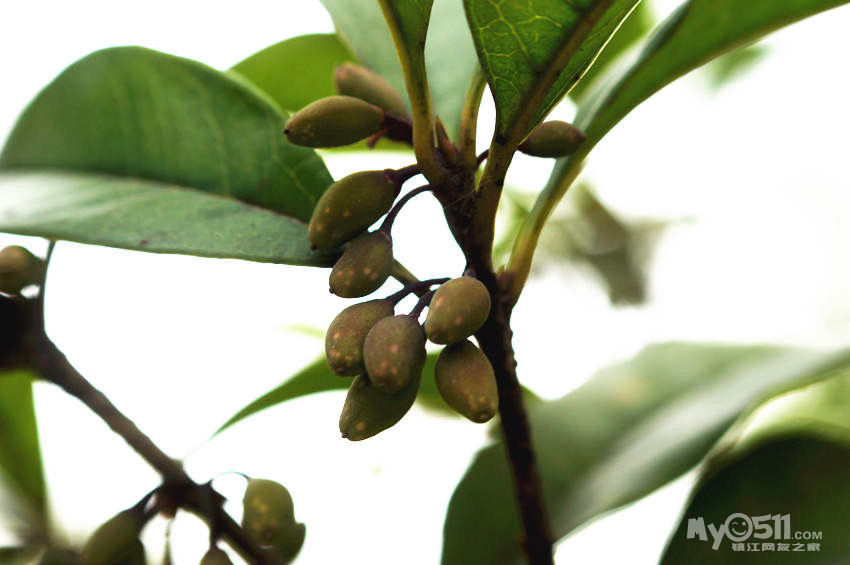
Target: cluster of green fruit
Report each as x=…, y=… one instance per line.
x=386, y=352
x=268, y=517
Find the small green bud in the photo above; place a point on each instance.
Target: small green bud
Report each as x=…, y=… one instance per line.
x=346, y=334
x=552, y=139
x=349, y=206
x=459, y=307
x=394, y=353
x=354, y=80
x=466, y=381
x=369, y=411
x=334, y=121
x=116, y=541
x=19, y=268
x=363, y=267
x=215, y=556
x=269, y=517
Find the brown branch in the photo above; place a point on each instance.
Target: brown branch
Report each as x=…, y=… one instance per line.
x=201, y=500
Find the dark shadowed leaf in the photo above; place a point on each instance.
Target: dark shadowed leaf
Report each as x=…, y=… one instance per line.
x=534, y=52
x=160, y=123
x=20, y=456
x=800, y=475
x=296, y=71
x=449, y=53
x=630, y=429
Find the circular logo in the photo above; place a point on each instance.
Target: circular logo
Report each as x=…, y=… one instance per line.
x=738, y=526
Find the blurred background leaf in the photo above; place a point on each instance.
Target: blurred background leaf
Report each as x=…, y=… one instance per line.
x=733, y=65
x=629, y=430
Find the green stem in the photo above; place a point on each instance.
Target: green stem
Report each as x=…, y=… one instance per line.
x=469, y=117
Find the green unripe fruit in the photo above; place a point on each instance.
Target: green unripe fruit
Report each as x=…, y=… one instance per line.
x=215, y=556
x=466, y=381
x=349, y=206
x=116, y=541
x=459, y=307
x=552, y=139
x=363, y=267
x=369, y=411
x=354, y=80
x=268, y=517
x=346, y=334
x=59, y=557
x=334, y=121
x=394, y=353
x=19, y=268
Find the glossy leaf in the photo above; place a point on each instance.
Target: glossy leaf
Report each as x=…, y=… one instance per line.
x=130, y=213
x=801, y=475
x=449, y=53
x=635, y=27
x=143, y=115
x=630, y=429
x=695, y=33
x=20, y=456
x=534, y=52
x=296, y=71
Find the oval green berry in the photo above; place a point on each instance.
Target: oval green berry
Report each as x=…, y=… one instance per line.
x=394, y=353
x=458, y=308
x=552, y=139
x=268, y=517
x=369, y=411
x=466, y=381
x=349, y=206
x=215, y=556
x=347, y=332
x=115, y=541
x=355, y=80
x=334, y=121
x=363, y=267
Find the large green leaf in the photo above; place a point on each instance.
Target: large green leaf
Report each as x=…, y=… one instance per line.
x=534, y=51
x=138, y=114
x=694, y=34
x=20, y=455
x=131, y=213
x=630, y=429
x=801, y=475
x=449, y=52
x=296, y=71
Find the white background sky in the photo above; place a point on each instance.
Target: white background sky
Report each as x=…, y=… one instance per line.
x=180, y=343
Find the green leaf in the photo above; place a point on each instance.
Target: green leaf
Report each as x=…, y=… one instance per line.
x=410, y=19
x=694, y=34
x=20, y=456
x=801, y=475
x=147, y=116
x=296, y=71
x=130, y=213
x=449, y=53
x=634, y=28
x=732, y=65
x=630, y=429
x=317, y=377
x=534, y=52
